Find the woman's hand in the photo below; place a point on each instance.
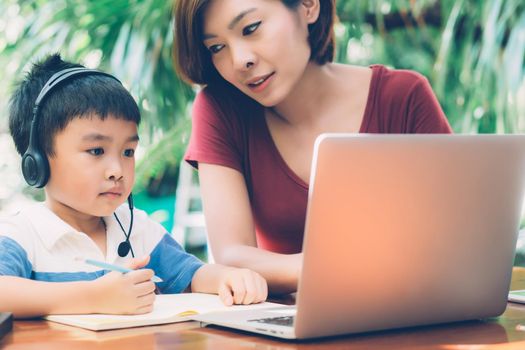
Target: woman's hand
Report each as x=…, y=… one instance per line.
x=242, y=286
x=234, y=286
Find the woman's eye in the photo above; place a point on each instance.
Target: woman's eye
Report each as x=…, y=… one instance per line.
x=251, y=28
x=215, y=48
x=129, y=153
x=96, y=151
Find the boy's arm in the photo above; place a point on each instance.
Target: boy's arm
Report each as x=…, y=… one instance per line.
x=28, y=298
x=113, y=293
x=234, y=286
x=182, y=271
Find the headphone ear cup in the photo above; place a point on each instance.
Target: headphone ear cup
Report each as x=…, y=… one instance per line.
x=35, y=168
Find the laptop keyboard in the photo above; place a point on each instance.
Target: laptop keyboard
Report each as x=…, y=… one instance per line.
x=281, y=320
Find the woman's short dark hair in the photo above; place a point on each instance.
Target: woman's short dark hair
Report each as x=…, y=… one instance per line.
x=193, y=61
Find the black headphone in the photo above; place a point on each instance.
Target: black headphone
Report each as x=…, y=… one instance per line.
x=35, y=166
x=125, y=246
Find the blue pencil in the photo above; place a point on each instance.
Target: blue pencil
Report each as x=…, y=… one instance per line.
x=112, y=267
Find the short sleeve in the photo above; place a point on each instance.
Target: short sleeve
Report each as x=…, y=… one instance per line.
x=13, y=259
x=175, y=266
x=214, y=135
x=424, y=111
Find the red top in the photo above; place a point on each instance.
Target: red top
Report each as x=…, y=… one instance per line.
x=399, y=101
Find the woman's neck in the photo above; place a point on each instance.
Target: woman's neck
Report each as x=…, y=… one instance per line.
x=309, y=96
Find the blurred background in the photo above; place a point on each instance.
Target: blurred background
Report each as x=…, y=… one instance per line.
x=472, y=51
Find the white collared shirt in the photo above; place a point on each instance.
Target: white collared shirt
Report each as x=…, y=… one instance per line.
x=35, y=243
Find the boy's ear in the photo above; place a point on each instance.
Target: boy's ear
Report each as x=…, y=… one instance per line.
x=311, y=10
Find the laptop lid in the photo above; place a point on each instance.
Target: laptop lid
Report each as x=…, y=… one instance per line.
x=407, y=230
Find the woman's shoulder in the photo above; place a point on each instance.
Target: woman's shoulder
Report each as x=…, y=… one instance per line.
x=395, y=87
x=406, y=98
x=396, y=79
x=221, y=123
x=204, y=102
x=210, y=113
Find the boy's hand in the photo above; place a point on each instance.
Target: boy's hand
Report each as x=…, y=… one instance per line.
x=242, y=286
x=129, y=293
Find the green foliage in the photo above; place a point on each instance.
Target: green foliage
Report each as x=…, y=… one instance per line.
x=486, y=58
x=130, y=39
x=167, y=150
x=472, y=52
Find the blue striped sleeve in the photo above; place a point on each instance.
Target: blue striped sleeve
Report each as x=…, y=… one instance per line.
x=175, y=266
x=13, y=259
x=67, y=276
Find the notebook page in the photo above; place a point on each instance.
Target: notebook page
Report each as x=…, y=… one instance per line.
x=168, y=308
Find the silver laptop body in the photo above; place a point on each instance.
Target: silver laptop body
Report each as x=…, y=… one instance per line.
x=402, y=230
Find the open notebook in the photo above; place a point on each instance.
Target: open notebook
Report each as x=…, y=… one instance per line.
x=168, y=308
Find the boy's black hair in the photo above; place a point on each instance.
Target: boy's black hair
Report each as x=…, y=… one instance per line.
x=85, y=96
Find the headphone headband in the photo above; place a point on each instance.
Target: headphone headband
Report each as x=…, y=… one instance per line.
x=64, y=75
x=35, y=166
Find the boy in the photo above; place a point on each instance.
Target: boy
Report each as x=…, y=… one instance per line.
x=86, y=131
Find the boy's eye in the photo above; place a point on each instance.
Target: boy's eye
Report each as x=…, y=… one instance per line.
x=250, y=28
x=129, y=153
x=96, y=151
x=215, y=48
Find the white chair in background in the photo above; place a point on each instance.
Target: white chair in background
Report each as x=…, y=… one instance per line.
x=189, y=227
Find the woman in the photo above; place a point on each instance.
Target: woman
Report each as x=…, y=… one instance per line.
x=270, y=89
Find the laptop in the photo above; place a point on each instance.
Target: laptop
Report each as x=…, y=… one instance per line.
x=401, y=230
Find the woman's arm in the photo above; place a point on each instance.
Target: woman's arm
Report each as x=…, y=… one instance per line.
x=231, y=229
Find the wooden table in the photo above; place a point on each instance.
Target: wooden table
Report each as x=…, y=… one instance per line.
x=500, y=333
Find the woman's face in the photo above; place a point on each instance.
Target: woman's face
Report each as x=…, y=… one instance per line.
x=259, y=46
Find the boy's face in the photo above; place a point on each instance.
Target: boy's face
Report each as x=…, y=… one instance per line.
x=93, y=169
